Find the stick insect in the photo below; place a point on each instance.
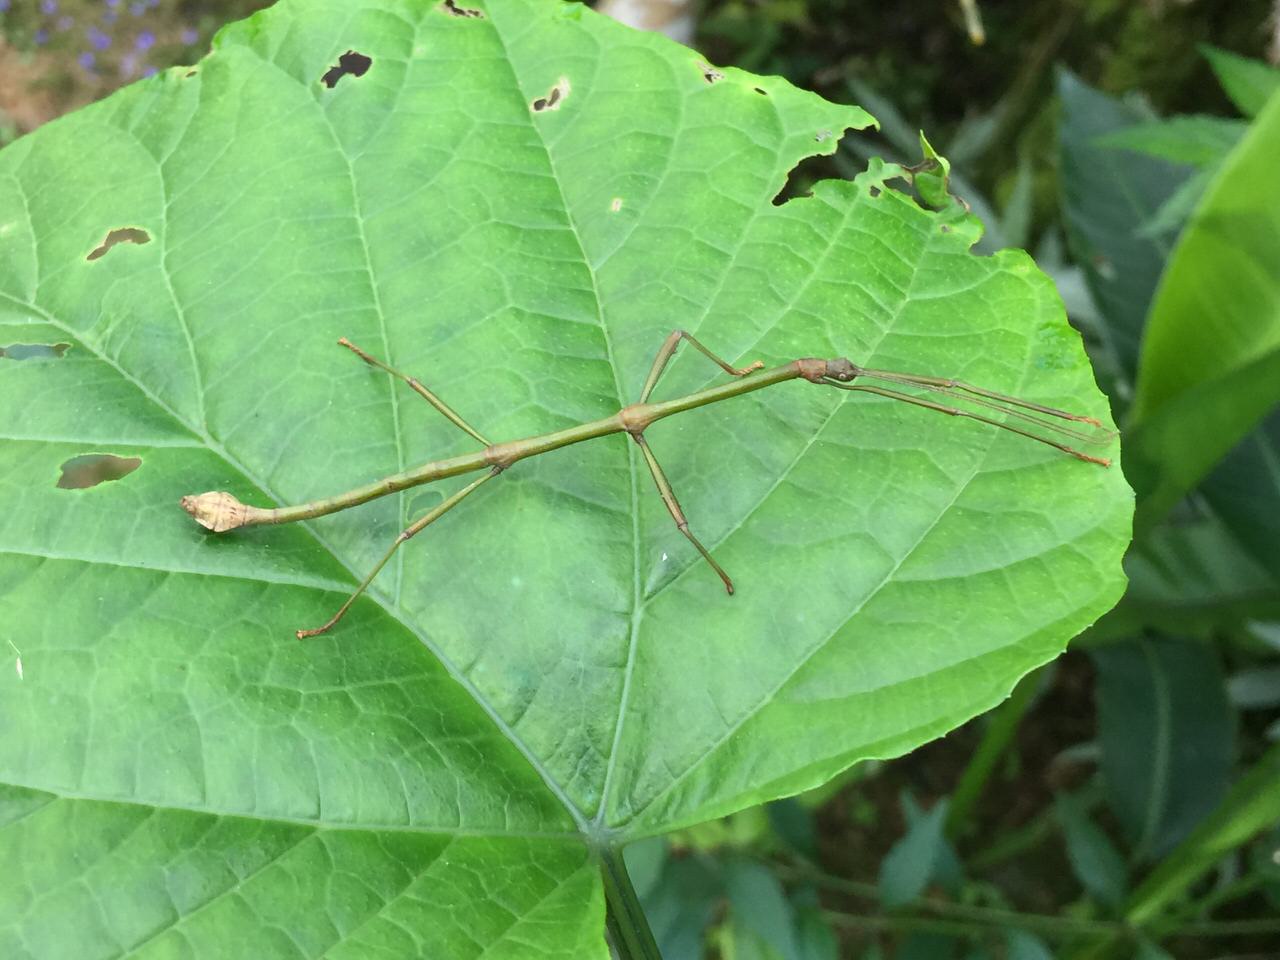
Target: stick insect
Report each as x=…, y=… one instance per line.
x=220, y=511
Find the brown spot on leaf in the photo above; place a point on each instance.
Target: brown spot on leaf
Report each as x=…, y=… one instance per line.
x=710, y=73
x=91, y=469
x=451, y=8
x=34, y=351
x=350, y=64
x=554, y=98
x=120, y=235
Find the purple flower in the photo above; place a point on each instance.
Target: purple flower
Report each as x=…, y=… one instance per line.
x=86, y=59
x=145, y=40
x=138, y=8
x=112, y=3
x=98, y=39
x=49, y=7
x=41, y=37
x=4, y=5
x=189, y=34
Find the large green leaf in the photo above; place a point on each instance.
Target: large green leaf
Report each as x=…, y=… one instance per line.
x=1210, y=367
x=550, y=668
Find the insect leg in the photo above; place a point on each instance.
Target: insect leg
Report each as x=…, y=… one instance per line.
x=412, y=530
x=418, y=388
x=669, y=348
x=673, y=506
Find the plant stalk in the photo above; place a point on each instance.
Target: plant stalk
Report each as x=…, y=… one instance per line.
x=628, y=927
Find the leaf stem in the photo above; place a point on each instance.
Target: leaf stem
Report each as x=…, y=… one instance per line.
x=628, y=927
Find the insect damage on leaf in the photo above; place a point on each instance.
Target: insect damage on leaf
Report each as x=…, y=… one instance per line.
x=34, y=351
x=121, y=235
x=454, y=10
x=710, y=73
x=554, y=98
x=91, y=469
x=350, y=64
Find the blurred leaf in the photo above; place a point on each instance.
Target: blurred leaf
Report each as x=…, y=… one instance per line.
x=1210, y=366
x=972, y=137
x=1195, y=562
x=792, y=821
x=759, y=905
x=1015, y=219
x=1149, y=951
x=1021, y=945
x=1251, y=806
x=1249, y=83
x=816, y=939
x=680, y=907
x=1255, y=689
x=1167, y=735
x=1244, y=491
x=1094, y=859
x=947, y=871
x=1069, y=278
x=909, y=865
x=737, y=942
x=645, y=860
x=1198, y=141
x=927, y=946
x=1175, y=211
x=893, y=127
x=1106, y=196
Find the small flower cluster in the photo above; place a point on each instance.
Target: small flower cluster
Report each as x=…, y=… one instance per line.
x=116, y=40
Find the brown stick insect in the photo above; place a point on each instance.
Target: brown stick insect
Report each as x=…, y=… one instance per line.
x=220, y=511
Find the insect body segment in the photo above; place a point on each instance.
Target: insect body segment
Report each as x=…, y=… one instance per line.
x=219, y=511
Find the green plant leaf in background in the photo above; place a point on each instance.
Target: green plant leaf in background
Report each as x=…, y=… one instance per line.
x=1094, y=859
x=1107, y=195
x=1249, y=83
x=1210, y=368
x=1244, y=491
x=516, y=201
x=923, y=854
x=1167, y=735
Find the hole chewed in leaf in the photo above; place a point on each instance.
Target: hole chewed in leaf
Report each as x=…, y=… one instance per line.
x=91, y=469
x=554, y=98
x=761, y=90
x=34, y=351
x=817, y=166
x=615, y=204
x=873, y=192
x=451, y=8
x=710, y=73
x=121, y=235
x=350, y=64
